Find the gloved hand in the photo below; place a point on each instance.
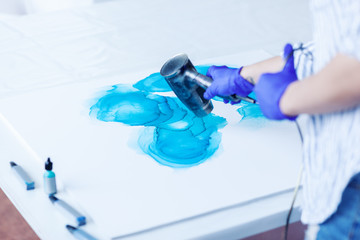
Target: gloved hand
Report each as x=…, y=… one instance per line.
x=271, y=87
x=227, y=81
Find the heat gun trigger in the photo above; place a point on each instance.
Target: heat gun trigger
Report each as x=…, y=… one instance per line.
x=205, y=82
x=236, y=98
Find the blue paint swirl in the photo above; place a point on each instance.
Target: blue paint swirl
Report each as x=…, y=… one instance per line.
x=181, y=145
x=172, y=135
x=251, y=114
x=153, y=83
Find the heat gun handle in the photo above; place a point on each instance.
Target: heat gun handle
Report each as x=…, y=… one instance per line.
x=205, y=82
x=236, y=98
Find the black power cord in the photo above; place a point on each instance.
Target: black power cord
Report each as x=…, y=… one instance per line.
x=295, y=190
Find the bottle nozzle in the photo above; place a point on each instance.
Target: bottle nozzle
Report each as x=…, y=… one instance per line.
x=48, y=165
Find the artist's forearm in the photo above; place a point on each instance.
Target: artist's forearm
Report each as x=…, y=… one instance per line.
x=253, y=72
x=335, y=88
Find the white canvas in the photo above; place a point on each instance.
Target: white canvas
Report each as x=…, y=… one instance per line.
x=121, y=189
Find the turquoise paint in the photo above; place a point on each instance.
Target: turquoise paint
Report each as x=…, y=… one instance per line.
x=250, y=111
x=178, y=149
x=251, y=114
x=49, y=179
x=153, y=83
x=49, y=174
x=172, y=135
x=129, y=106
x=184, y=143
x=202, y=69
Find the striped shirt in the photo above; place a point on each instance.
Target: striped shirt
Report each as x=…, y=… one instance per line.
x=331, y=141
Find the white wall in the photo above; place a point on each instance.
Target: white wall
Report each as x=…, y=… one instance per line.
x=12, y=7
x=36, y=6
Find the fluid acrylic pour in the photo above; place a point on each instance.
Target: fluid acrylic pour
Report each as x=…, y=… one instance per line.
x=172, y=135
x=251, y=114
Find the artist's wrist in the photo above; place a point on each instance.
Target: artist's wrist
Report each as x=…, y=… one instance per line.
x=287, y=103
x=245, y=86
x=245, y=73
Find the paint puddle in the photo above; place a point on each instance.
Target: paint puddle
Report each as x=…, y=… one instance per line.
x=252, y=116
x=172, y=135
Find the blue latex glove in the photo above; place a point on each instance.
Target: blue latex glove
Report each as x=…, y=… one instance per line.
x=271, y=87
x=227, y=81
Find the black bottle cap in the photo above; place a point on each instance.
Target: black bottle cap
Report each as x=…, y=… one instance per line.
x=48, y=165
x=53, y=198
x=70, y=228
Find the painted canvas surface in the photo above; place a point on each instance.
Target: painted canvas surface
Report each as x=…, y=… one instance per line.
x=134, y=157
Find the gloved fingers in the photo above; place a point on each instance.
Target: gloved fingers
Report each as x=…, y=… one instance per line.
x=288, y=57
x=288, y=49
x=210, y=92
x=210, y=71
x=213, y=70
x=226, y=101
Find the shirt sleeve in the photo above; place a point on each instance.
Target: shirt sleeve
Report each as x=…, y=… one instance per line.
x=303, y=59
x=347, y=15
x=351, y=32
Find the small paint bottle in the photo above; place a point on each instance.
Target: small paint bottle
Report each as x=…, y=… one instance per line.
x=49, y=179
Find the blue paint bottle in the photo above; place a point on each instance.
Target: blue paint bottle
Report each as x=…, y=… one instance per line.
x=49, y=179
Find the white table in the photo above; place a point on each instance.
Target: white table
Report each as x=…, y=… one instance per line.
x=202, y=29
